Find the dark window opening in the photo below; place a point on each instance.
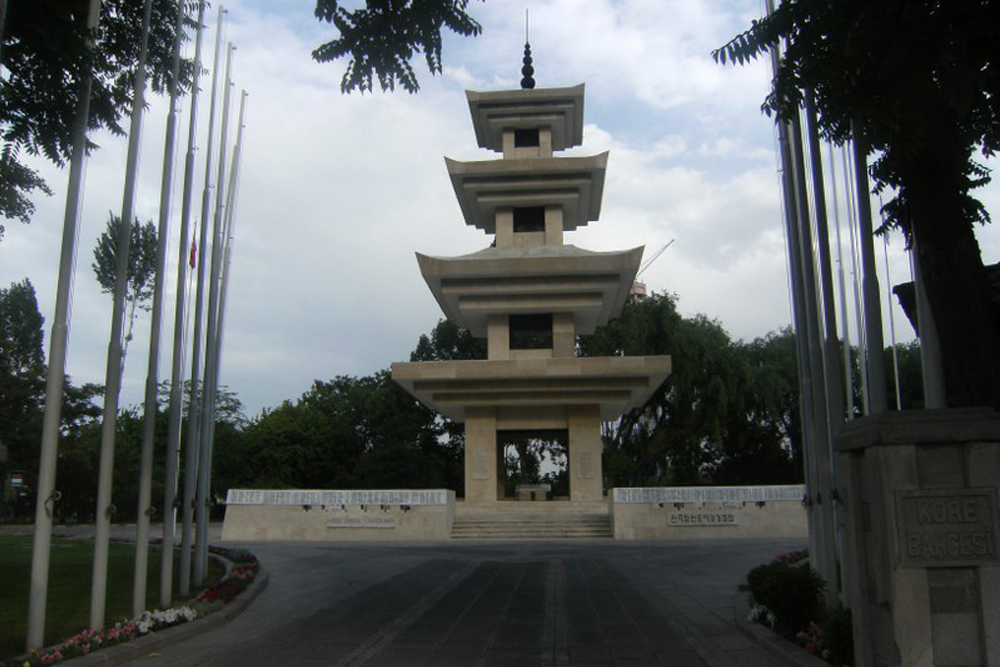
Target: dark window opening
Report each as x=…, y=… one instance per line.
x=526, y=138
x=531, y=332
x=529, y=219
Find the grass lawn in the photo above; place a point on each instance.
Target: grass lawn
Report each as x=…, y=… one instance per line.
x=69, y=587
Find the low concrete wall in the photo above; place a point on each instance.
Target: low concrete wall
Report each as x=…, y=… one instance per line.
x=338, y=516
x=708, y=512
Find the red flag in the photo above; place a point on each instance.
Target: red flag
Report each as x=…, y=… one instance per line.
x=193, y=260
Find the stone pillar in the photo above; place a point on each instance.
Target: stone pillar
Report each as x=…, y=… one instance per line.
x=553, y=225
x=498, y=336
x=563, y=335
x=481, y=474
x=921, y=506
x=504, y=227
x=585, y=475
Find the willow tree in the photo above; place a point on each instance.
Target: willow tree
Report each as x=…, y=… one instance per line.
x=917, y=82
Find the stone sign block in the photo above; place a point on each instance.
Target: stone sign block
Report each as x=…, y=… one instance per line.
x=947, y=527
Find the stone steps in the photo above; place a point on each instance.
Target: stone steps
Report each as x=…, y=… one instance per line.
x=532, y=526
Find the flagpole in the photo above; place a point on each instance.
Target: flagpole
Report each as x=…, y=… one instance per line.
x=230, y=224
x=194, y=444
x=806, y=385
x=208, y=408
x=113, y=374
x=844, y=331
x=856, y=276
x=177, y=366
x=869, y=282
x=145, y=508
x=47, y=495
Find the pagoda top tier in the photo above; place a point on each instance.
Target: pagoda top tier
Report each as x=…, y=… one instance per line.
x=557, y=110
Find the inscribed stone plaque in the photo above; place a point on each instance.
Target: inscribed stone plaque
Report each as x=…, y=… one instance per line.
x=702, y=519
x=947, y=527
x=585, y=465
x=480, y=466
x=361, y=522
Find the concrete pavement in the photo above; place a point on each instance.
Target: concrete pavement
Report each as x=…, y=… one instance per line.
x=491, y=604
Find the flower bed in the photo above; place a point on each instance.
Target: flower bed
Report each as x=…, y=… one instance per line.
x=243, y=571
x=787, y=596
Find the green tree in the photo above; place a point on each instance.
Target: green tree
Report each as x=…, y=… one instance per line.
x=917, y=83
x=382, y=38
x=448, y=342
x=21, y=352
x=728, y=412
x=45, y=55
x=762, y=441
x=911, y=381
x=22, y=387
x=141, y=266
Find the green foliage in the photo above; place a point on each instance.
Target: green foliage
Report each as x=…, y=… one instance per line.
x=21, y=334
x=141, y=265
x=893, y=69
x=382, y=38
x=917, y=84
x=839, y=637
x=911, y=381
x=449, y=342
x=346, y=433
x=793, y=593
x=45, y=56
x=728, y=412
x=22, y=390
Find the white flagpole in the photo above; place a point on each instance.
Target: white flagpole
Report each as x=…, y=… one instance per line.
x=177, y=366
x=149, y=417
x=194, y=410
x=46, y=492
x=224, y=280
x=113, y=374
x=844, y=330
x=208, y=412
x=869, y=281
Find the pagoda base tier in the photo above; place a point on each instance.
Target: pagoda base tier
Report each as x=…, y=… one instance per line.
x=571, y=396
x=612, y=385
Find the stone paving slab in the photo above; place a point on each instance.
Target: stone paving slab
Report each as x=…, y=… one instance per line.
x=491, y=604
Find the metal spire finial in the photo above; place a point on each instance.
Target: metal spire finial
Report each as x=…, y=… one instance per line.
x=527, y=81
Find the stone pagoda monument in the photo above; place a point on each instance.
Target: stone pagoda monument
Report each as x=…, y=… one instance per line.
x=530, y=294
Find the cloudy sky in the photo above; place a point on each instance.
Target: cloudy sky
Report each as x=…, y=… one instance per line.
x=338, y=192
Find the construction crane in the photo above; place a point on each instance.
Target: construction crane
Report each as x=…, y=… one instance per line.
x=638, y=291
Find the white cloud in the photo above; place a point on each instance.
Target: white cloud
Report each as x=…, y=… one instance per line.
x=338, y=192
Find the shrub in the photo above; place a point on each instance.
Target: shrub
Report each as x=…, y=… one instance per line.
x=839, y=637
x=793, y=594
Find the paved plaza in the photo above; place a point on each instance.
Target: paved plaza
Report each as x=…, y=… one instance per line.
x=490, y=605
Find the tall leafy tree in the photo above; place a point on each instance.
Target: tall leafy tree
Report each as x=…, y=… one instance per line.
x=22, y=386
x=918, y=83
x=727, y=413
x=45, y=55
x=382, y=37
x=21, y=352
x=141, y=266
